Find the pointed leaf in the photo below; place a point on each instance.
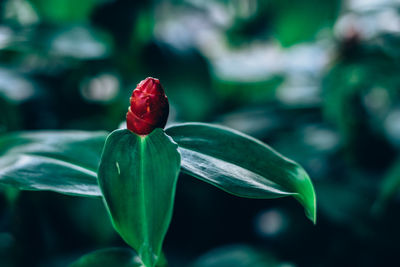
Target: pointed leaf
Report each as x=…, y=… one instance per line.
x=60, y=161
x=241, y=165
x=110, y=257
x=138, y=176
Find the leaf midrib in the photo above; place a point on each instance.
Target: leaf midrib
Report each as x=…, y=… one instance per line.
x=143, y=193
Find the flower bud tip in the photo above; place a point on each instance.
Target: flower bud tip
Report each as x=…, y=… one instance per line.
x=149, y=107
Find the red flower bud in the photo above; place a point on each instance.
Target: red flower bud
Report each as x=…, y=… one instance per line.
x=149, y=107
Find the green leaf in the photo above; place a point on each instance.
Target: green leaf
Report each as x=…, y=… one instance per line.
x=138, y=176
x=109, y=257
x=241, y=165
x=64, y=162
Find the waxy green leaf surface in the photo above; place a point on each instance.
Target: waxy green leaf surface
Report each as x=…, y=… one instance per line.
x=64, y=162
x=110, y=257
x=138, y=176
x=241, y=165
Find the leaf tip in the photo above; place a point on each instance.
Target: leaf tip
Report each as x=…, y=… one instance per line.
x=313, y=213
x=307, y=196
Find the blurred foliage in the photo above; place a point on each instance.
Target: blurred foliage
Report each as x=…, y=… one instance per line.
x=237, y=256
x=317, y=80
x=362, y=90
x=288, y=21
x=64, y=11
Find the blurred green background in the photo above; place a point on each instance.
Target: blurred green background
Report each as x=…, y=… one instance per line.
x=317, y=80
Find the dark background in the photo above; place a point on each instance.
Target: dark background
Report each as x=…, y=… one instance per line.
x=317, y=80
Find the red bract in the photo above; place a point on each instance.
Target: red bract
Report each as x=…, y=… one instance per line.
x=149, y=107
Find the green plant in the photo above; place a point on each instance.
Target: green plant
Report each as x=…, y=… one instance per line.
x=137, y=172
